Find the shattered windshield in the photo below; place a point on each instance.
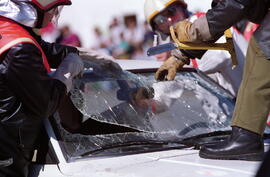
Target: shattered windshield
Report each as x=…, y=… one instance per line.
x=134, y=109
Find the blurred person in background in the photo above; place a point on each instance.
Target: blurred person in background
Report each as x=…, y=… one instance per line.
x=138, y=53
x=161, y=14
x=148, y=36
x=122, y=49
x=127, y=38
x=133, y=32
x=67, y=37
x=115, y=30
x=29, y=91
x=101, y=43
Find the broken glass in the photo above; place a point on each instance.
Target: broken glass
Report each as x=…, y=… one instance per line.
x=169, y=112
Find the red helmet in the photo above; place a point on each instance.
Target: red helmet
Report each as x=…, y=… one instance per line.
x=46, y=5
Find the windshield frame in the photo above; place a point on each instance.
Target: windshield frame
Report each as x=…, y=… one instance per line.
x=183, y=143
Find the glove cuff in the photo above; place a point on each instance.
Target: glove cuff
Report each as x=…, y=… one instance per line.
x=180, y=56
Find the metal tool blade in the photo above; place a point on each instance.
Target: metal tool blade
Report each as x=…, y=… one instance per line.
x=161, y=48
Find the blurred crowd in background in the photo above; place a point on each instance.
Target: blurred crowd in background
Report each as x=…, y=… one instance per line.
x=124, y=38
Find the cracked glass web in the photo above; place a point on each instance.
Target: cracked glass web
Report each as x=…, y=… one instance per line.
x=189, y=106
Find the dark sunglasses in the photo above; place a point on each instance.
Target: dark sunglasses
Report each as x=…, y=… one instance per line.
x=171, y=11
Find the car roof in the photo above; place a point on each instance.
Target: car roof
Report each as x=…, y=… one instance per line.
x=138, y=64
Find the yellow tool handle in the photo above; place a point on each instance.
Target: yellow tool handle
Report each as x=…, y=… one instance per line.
x=200, y=46
x=213, y=46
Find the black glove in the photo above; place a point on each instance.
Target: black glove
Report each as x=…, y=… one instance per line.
x=69, y=68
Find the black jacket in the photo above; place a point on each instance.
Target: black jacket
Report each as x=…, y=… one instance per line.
x=24, y=80
x=27, y=96
x=227, y=13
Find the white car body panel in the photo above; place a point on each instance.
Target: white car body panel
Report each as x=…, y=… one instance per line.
x=169, y=163
x=138, y=64
x=159, y=164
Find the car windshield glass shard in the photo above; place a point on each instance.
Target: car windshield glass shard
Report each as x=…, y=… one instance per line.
x=133, y=108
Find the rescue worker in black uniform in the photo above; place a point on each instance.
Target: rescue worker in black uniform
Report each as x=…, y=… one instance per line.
x=253, y=103
x=29, y=92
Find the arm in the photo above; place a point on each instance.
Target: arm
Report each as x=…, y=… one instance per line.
x=27, y=77
x=56, y=52
x=208, y=29
x=221, y=17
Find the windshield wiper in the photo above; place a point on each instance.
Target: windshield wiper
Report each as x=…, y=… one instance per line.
x=153, y=146
x=206, y=138
x=195, y=141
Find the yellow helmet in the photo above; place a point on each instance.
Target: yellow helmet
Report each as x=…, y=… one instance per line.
x=153, y=7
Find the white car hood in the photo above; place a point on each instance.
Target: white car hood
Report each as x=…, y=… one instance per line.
x=174, y=163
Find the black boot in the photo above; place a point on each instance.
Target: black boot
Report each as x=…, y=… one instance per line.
x=240, y=145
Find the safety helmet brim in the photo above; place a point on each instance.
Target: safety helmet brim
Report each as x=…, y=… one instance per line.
x=154, y=7
x=46, y=5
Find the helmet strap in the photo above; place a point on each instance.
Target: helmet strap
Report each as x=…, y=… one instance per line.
x=40, y=19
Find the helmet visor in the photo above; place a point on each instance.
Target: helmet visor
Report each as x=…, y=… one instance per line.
x=170, y=16
x=55, y=13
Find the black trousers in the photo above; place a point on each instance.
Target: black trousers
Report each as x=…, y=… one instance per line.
x=17, y=144
x=264, y=170
x=13, y=160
